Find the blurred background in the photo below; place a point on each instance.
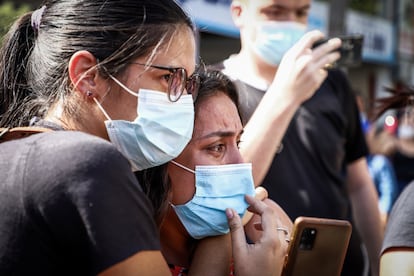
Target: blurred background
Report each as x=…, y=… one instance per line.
x=387, y=26
x=387, y=66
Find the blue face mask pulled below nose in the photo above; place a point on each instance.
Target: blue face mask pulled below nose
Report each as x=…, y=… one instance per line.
x=217, y=188
x=275, y=38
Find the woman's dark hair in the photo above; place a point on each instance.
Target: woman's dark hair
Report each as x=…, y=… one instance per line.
x=213, y=82
x=402, y=96
x=36, y=51
x=155, y=181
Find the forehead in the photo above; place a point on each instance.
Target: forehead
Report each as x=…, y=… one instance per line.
x=281, y=4
x=216, y=113
x=177, y=51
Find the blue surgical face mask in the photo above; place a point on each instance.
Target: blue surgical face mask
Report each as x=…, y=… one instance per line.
x=217, y=188
x=159, y=133
x=275, y=38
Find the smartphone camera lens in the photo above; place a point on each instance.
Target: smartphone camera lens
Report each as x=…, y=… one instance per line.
x=307, y=239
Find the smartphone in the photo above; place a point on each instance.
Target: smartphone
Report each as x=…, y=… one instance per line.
x=317, y=247
x=350, y=50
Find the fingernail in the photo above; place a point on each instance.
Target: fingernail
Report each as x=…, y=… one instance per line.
x=229, y=214
x=334, y=40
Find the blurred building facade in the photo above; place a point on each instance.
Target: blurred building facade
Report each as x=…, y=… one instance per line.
x=387, y=26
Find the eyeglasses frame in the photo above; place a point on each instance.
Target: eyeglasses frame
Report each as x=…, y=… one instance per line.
x=193, y=79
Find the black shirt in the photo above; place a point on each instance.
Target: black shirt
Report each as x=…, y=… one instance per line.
x=307, y=178
x=69, y=205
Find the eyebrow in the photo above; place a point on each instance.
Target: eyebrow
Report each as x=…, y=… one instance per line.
x=305, y=7
x=220, y=134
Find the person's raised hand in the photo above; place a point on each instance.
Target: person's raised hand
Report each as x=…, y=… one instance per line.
x=266, y=256
x=302, y=69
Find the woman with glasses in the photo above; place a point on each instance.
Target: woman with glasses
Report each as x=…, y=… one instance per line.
x=91, y=69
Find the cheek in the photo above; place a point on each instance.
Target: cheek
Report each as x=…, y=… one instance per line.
x=120, y=105
x=128, y=107
x=182, y=186
x=303, y=20
x=182, y=193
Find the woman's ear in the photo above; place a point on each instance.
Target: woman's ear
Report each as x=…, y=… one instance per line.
x=83, y=73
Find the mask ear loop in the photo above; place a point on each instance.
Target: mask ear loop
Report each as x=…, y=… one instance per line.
x=182, y=166
x=102, y=109
x=123, y=86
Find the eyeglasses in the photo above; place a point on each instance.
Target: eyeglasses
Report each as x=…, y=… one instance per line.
x=178, y=81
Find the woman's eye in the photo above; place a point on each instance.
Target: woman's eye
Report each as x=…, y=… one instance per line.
x=217, y=148
x=167, y=77
x=302, y=14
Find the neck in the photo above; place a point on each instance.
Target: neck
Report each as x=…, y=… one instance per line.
x=255, y=67
x=57, y=115
x=176, y=245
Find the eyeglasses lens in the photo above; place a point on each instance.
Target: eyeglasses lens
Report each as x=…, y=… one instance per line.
x=176, y=84
x=179, y=82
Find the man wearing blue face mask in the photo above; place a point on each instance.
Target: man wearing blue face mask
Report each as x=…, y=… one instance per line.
x=321, y=169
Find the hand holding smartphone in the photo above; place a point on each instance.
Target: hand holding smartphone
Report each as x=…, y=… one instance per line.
x=317, y=247
x=351, y=50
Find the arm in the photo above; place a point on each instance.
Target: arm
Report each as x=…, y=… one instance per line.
x=212, y=257
x=365, y=209
x=145, y=263
x=398, y=246
x=299, y=75
x=398, y=261
x=388, y=184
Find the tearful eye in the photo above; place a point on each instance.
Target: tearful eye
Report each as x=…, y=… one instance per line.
x=217, y=148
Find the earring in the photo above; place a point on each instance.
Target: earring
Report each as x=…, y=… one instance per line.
x=88, y=93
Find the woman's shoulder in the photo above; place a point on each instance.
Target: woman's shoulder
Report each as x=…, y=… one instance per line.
x=74, y=144
x=64, y=154
x=71, y=148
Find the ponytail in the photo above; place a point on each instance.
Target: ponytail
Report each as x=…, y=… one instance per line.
x=36, y=52
x=14, y=90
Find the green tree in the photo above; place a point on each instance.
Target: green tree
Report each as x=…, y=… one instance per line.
x=372, y=7
x=8, y=14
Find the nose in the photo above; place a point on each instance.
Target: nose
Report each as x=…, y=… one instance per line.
x=291, y=16
x=234, y=156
